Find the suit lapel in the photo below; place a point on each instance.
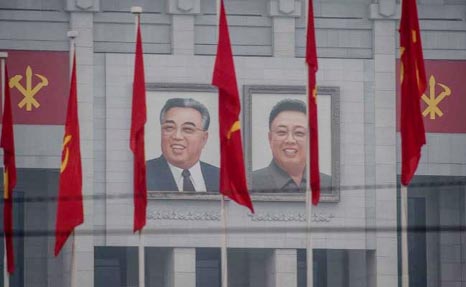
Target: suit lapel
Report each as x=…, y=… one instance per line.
x=166, y=176
x=205, y=176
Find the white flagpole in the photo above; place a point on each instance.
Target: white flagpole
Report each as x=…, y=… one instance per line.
x=141, y=259
x=137, y=10
x=404, y=237
x=309, y=251
x=74, y=269
x=224, y=254
x=72, y=36
x=6, y=277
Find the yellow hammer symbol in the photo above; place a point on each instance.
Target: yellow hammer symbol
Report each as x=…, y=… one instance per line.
x=414, y=35
x=5, y=184
x=402, y=70
x=433, y=100
x=64, y=162
x=234, y=127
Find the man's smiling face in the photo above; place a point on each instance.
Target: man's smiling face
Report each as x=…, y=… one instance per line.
x=287, y=139
x=183, y=137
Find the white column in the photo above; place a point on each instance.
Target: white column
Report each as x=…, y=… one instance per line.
x=183, y=34
x=184, y=267
x=283, y=37
x=284, y=14
x=285, y=267
x=386, y=260
x=82, y=22
x=183, y=13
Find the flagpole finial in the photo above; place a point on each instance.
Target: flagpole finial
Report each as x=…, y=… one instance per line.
x=72, y=34
x=3, y=55
x=136, y=9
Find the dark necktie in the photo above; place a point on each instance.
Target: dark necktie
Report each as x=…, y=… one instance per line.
x=187, y=184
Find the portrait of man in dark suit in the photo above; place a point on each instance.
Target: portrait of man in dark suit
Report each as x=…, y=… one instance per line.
x=287, y=138
x=184, y=133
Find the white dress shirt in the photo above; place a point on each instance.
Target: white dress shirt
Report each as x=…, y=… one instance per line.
x=196, y=177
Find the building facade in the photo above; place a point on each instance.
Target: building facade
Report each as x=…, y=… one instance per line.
x=354, y=229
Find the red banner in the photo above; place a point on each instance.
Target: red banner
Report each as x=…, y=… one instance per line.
x=38, y=83
x=136, y=142
x=7, y=142
x=232, y=174
x=70, y=211
x=311, y=60
x=443, y=102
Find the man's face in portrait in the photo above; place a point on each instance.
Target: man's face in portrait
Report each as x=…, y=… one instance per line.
x=287, y=139
x=183, y=137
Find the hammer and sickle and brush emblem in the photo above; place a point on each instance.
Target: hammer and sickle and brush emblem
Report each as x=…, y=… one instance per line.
x=433, y=100
x=234, y=127
x=29, y=92
x=64, y=161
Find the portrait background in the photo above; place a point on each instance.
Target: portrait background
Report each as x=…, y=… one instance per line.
x=158, y=94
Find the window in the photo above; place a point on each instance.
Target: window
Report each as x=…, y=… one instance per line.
x=208, y=267
x=116, y=266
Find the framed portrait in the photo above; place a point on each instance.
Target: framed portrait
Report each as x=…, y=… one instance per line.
x=182, y=129
x=275, y=135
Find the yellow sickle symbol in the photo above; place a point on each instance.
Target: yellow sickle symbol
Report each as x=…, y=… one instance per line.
x=402, y=70
x=234, y=127
x=64, y=162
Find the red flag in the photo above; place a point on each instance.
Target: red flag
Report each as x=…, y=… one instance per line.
x=232, y=172
x=311, y=60
x=138, y=120
x=413, y=84
x=9, y=175
x=70, y=202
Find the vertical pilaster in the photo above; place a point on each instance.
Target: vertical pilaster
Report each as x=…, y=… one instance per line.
x=184, y=267
x=386, y=260
x=82, y=20
x=183, y=12
x=285, y=267
x=284, y=14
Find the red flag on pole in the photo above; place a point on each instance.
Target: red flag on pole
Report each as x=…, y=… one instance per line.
x=138, y=120
x=311, y=60
x=70, y=202
x=232, y=172
x=9, y=175
x=413, y=84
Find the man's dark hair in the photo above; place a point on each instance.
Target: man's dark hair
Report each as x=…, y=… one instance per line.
x=286, y=105
x=187, y=103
